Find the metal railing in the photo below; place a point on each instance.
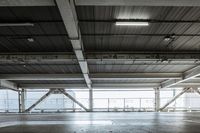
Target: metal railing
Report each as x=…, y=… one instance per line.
x=103, y=104
x=123, y=104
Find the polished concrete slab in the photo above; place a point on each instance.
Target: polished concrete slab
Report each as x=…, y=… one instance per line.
x=101, y=123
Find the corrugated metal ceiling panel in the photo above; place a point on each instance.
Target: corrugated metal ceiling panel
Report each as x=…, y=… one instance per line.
x=48, y=82
x=37, y=69
x=130, y=81
x=138, y=68
x=48, y=30
x=134, y=43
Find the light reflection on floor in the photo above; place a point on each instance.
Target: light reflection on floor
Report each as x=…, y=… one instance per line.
x=101, y=123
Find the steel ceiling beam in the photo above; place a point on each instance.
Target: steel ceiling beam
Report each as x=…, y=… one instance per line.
x=25, y=36
x=83, y=86
x=98, y=56
x=103, y=63
x=48, y=86
x=6, y=3
x=129, y=76
x=103, y=3
x=101, y=21
x=69, y=16
x=36, y=57
x=189, y=74
x=136, y=34
x=41, y=77
x=4, y=84
x=137, y=2
x=136, y=20
x=189, y=84
x=94, y=76
x=99, y=86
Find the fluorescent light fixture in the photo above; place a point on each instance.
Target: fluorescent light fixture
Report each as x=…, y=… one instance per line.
x=15, y=24
x=132, y=23
x=167, y=38
x=30, y=39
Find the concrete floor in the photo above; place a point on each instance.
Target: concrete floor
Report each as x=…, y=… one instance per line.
x=101, y=123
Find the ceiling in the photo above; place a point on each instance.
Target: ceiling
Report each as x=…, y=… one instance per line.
x=99, y=35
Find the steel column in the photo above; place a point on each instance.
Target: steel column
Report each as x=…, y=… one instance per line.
x=157, y=99
x=21, y=97
x=19, y=101
x=91, y=99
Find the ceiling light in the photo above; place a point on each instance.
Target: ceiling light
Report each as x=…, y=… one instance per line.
x=30, y=39
x=15, y=24
x=132, y=23
x=167, y=38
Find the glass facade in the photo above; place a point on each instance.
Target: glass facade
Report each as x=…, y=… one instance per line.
x=9, y=101
x=137, y=100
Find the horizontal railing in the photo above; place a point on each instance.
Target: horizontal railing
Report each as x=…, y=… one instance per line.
x=103, y=104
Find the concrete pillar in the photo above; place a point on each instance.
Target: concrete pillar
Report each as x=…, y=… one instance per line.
x=157, y=99
x=19, y=101
x=174, y=94
x=91, y=100
x=21, y=97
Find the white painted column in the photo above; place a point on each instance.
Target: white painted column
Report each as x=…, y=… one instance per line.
x=21, y=98
x=91, y=99
x=157, y=99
